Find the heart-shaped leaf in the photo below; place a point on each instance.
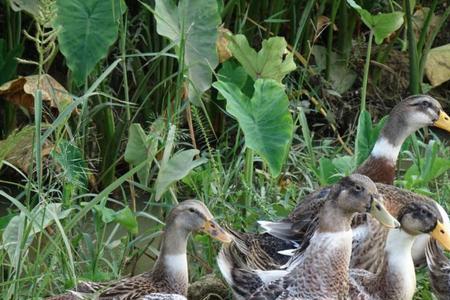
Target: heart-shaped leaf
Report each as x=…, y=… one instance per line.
x=194, y=23
x=88, y=29
x=382, y=25
x=271, y=62
x=176, y=168
x=265, y=119
x=141, y=147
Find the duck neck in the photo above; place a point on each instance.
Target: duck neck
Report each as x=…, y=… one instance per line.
x=172, y=261
x=397, y=278
x=392, y=137
x=380, y=165
x=333, y=219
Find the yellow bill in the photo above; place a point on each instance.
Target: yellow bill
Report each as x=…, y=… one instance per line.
x=379, y=212
x=213, y=229
x=443, y=122
x=441, y=233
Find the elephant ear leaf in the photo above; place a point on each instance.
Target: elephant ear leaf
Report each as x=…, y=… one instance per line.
x=176, y=168
x=271, y=62
x=265, y=119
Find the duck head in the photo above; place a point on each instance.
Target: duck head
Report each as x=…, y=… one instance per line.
x=358, y=194
x=419, y=111
x=418, y=218
x=194, y=216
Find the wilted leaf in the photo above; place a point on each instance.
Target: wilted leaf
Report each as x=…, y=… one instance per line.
x=87, y=29
x=222, y=44
x=195, y=21
x=418, y=19
x=17, y=149
x=273, y=61
x=437, y=66
x=265, y=119
x=21, y=92
x=176, y=168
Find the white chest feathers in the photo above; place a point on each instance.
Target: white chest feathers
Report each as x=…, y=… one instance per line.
x=384, y=149
x=176, y=264
x=401, y=265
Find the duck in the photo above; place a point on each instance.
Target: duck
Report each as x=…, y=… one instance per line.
x=263, y=250
x=169, y=275
x=327, y=256
x=396, y=279
x=439, y=270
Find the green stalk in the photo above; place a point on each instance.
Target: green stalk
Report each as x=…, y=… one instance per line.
x=123, y=39
x=414, y=80
x=248, y=176
x=366, y=74
x=330, y=37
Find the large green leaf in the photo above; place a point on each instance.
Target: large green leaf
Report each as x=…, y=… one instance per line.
x=88, y=29
x=363, y=137
x=195, y=23
x=382, y=25
x=271, y=62
x=141, y=147
x=176, y=168
x=265, y=119
x=42, y=216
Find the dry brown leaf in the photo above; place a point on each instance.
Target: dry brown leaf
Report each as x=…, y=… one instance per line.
x=17, y=148
x=222, y=44
x=21, y=92
x=419, y=18
x=437, y=66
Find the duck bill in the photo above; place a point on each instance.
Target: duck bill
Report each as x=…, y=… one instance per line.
x=213, y=229
x=379, y=212
x=443, y=122
x=441, y=233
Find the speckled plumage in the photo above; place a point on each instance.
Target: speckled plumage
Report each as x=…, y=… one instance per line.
x=170, y=272
x=314, y=277
x=439, y=269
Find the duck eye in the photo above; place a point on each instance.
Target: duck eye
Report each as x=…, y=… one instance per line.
x=192, y=210
x=358, y=188
x=426, y=104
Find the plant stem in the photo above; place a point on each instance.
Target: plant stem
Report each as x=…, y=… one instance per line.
x=248, y=176
x=366, y=73
x=414, y=80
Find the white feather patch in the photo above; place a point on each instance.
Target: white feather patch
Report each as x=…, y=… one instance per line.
x=224, y=267
x=398, y=248
x=384, y=149
x=176, y=263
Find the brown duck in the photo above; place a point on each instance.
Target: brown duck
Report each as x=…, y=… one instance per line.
x=169, y=277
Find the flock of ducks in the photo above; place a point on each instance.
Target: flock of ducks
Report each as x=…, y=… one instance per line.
x=360, y=238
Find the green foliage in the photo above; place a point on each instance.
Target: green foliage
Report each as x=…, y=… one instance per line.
x=264, y=119
x=124, y=217
x=176, y=168
x=268, y=63
x=25, y=226
x=425, y=170
x=381, y=24
x=70, y=159
x=192, y=25
x=142, y=147
x=341, y=76
x=88, y=29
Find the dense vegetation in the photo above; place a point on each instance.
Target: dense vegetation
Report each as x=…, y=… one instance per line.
x=113, y=111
